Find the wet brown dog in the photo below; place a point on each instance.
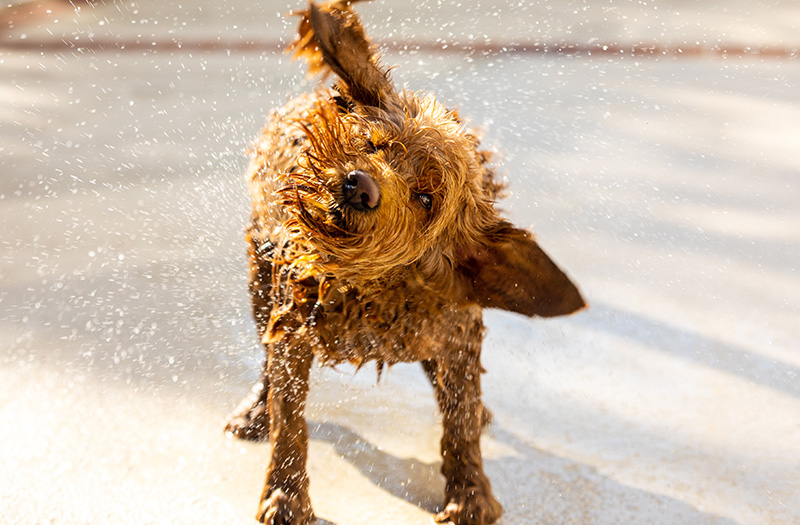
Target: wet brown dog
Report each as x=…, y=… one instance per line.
x=374, y=237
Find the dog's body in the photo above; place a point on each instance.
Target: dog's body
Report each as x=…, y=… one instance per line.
x=374, y=237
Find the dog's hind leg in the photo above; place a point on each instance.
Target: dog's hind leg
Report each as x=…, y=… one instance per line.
x=285, y=499
x=250, y=420
x=456, y=379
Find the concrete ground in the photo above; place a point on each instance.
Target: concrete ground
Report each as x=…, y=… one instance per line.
x=654, y=147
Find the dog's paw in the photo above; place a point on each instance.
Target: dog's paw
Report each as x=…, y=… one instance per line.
x=250, y=421
x=471, y=509
x=281, y=509
x=245, y=426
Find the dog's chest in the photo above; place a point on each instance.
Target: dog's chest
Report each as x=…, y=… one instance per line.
x=390, y=327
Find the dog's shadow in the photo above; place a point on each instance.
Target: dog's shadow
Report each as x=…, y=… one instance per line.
x=532, y=479
x=409, y=479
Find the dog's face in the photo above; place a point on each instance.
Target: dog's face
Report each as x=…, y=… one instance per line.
x=392, y=186
x=386, y=188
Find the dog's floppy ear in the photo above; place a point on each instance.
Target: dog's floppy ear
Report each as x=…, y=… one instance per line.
x=331, y=35
x=511, y=272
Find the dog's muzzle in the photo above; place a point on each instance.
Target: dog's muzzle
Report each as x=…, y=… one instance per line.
x=360, y=191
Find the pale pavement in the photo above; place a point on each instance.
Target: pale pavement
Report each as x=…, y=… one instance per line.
x=667, y=186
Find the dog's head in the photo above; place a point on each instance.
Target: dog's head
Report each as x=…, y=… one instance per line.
x=392, y=186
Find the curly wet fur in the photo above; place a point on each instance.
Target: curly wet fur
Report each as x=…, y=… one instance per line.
x=403, y=279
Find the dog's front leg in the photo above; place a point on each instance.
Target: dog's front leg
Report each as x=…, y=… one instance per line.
x=285, y=498
x=456, y=380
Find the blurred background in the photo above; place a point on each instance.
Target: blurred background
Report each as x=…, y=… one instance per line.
x=653, y=146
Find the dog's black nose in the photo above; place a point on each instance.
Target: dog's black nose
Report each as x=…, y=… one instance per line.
x=361, y=192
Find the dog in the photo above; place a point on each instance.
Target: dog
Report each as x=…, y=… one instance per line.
x=374, y=237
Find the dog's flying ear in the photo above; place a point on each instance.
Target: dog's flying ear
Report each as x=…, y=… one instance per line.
x=331, y=36
x=511, y=272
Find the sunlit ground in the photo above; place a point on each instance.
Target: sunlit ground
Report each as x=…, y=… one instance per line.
x=666, y=184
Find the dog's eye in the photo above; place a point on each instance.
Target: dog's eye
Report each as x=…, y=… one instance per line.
x=374, y=148
x=426, y=200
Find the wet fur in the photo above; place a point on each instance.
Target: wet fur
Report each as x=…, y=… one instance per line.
x=403, y=281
